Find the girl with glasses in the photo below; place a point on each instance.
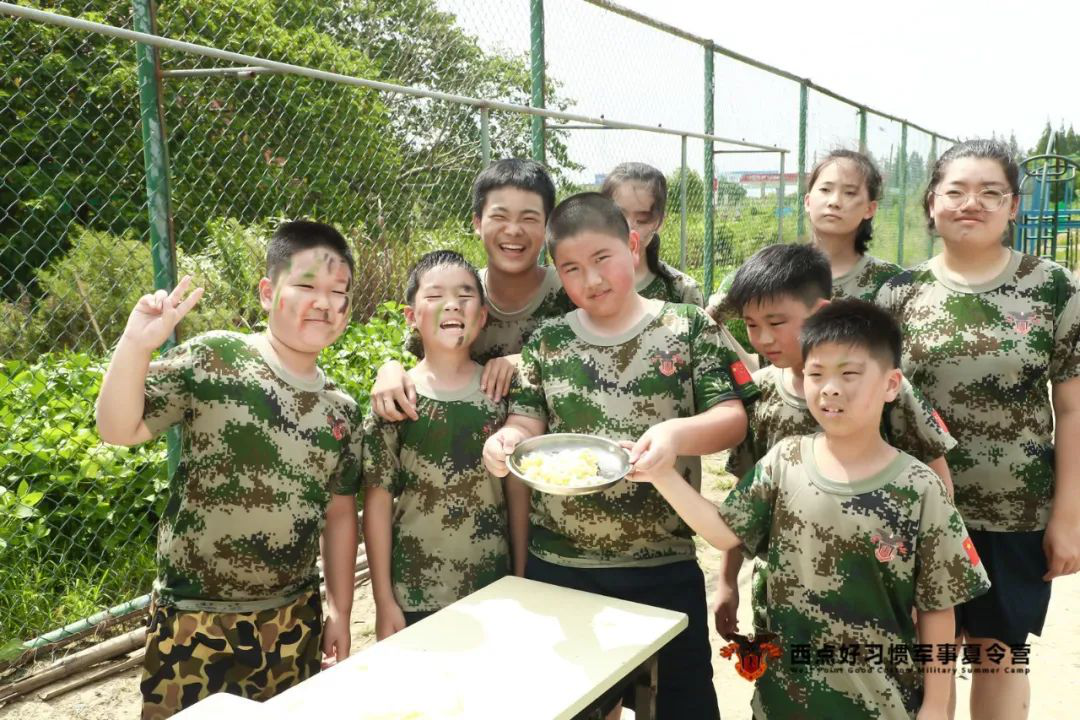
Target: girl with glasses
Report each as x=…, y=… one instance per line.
x=991, y=335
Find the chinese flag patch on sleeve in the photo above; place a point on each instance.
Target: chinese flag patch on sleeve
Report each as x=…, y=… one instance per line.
x=940, y=422
x=972, y=553
x=739, y=373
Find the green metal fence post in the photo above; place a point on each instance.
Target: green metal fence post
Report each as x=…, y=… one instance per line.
x=536, y=56
x=862, y=130
x=800, y=223
x=682, y=208
x=780, y=191
x=709, y=170
x=929, y=171
x=156, y=160
x=901, y=220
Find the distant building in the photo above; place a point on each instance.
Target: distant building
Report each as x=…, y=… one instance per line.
x=762, y=183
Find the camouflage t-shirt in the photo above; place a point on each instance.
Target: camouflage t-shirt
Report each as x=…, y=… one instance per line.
x=671, y=364
x=864, y=279
x=681, y=288
x=506, y=332
x=450, y=532
x=262, y=452
x=908, y=423
x=984, y=355
x=847, y=562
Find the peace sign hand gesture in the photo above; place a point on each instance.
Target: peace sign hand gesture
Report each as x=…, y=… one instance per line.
x=155, y=316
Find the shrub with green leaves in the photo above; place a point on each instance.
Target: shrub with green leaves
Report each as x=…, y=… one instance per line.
x=76, y=516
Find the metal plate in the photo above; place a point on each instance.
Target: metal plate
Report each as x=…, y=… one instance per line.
x=614, y=462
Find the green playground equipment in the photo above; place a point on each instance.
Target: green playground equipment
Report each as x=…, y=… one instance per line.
x=1048, y=221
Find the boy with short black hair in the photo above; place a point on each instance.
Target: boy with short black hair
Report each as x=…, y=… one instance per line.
x=512, y=199
x=856, y=534
x=624, y=368
x=270, y=461
x=446, y=535
x=775, y=291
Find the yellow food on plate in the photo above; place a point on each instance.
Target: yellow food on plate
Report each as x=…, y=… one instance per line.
x=570, y=468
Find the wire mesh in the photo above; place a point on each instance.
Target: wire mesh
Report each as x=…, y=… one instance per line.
x=249, y=148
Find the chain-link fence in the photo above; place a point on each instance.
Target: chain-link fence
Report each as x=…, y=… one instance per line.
x=124, y=167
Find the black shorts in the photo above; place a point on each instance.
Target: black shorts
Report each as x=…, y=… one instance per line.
x=413, y=617
x=1016, y=602
x=684, y=684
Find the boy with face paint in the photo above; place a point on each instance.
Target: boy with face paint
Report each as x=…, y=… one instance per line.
x=270, y=462
x=446, y=535
x=511, y=202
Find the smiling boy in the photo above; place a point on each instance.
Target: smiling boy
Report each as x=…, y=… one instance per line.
x=270, y=462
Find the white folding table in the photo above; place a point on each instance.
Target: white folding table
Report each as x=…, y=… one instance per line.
x=517, y=648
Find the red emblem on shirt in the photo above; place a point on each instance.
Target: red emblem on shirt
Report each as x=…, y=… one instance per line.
x=753, y=654
x=940, y=422
x=337, y=427
x=740, y=373
x=972, y=553
x=669, y=363
x=888, y=546
x=1021, y=321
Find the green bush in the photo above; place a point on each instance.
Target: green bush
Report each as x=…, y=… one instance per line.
x=77, y=517
x=355, y=358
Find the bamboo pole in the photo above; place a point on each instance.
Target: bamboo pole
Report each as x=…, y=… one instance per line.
x=81, y=660
x=132, y=661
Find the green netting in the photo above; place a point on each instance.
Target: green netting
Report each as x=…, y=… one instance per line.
x=393, y=171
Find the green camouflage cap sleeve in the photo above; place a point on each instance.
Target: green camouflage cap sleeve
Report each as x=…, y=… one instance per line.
x=1065, y=361
x=716, y=300
x=948, y=570
x=911, y=424
x=748, y=508
x=527, y=392
x=718, y=373
x=677, y=288
x=348, y=475
x=380, y=456
x=167, y=395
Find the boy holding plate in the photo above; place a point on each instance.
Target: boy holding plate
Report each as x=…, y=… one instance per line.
x=626, y=369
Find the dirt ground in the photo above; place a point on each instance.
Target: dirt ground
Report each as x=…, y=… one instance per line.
x=1055, y=657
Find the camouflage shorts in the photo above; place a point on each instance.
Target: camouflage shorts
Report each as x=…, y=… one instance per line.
x=190, y=655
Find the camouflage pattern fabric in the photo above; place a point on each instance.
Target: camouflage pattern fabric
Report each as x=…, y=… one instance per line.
x=984, y=356
x=716, y=300
x=671, y=364
x=846, y=564
x=908, y=424
x=505, y=333
x=262, y=453
x=256, y=655
x=681, y=288
x=450, y=531
x=864, y=279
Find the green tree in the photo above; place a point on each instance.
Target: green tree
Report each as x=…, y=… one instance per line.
x=413, y=43
x=695, y=192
